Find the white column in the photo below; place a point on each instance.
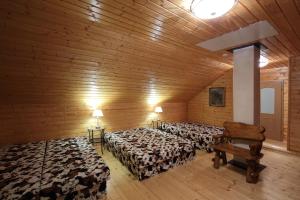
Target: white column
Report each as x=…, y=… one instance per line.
x=246, y=85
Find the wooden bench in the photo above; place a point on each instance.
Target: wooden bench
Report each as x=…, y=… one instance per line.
x=250, y=134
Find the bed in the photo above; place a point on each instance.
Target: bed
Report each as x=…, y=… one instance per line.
x=147, y=152
x=55, y=169
x=201, y=134
x=73, y=169
x=20, y=170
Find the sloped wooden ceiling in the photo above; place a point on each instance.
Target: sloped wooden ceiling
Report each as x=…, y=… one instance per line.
x=124, y=50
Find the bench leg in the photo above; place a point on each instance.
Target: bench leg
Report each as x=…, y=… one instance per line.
x=224, y=157
x=252, y=171
x=217, y=160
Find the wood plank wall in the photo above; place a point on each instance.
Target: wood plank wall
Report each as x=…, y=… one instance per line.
x=294, y=105
x=21, y=123
x=55, y=53
x=199, y=109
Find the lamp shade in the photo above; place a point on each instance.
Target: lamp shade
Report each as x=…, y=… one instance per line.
x=158, y=109
x=97, y=113
x=263, y=61
x=209, y=9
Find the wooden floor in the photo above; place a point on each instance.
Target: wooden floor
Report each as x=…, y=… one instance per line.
x=276, y=145
x=198, y=180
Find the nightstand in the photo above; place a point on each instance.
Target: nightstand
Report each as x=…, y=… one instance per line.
x=156, y=124
x=99, y=139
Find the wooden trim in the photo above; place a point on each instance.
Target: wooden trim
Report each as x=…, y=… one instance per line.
x=289, y=108
x=277, y=84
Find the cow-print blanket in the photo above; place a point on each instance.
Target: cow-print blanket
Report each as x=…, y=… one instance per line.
x=147, y=152
x=56, y=169
x=20, y=170
x=201, y=134
x=72, y=169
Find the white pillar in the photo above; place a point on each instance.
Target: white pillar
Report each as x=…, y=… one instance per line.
x=246, y=85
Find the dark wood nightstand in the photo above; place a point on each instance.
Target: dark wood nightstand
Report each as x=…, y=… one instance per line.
x=99, y=139
x=157, y=124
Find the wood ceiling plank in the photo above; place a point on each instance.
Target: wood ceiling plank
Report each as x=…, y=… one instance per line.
x=258, y=11
x=68, y=41
x=38, y=48
x=57, y=14
x=279, y=18
x=289, y=10
x=282, y=49
x=244, y=13
x=122, y=50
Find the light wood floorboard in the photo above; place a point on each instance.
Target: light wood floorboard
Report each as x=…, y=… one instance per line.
x=197, y=180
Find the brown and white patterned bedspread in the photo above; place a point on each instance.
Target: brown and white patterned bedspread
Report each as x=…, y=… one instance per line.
x=73, y=170
x=201, y=134
x=57, y=169
x=147, y=152
x=20, y=170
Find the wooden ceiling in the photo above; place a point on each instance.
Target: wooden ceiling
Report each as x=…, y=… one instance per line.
x=125, y=50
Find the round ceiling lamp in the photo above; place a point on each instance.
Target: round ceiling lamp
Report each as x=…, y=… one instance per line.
x=263, y=61
x=209, y=9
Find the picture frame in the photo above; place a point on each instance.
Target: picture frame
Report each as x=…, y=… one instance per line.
x=217, y=96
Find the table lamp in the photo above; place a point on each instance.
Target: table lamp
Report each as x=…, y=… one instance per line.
x=158, y=110
x=97, y=114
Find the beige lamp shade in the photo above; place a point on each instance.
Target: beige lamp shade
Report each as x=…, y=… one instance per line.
x=97, y=113
x=158, y=109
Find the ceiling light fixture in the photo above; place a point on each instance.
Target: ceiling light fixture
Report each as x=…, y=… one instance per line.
x=263, y=61
x=209, y=9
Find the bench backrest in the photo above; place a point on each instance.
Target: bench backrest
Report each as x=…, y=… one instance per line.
x=236, y=130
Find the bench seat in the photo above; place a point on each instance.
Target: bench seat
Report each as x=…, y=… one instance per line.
x=246, y=134
x=237, y=151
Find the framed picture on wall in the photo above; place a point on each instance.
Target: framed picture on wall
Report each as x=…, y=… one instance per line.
x=217, y=96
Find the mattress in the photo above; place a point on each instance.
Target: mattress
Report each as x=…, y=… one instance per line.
x=147, y=152
x=20, y=170
x=201, y=134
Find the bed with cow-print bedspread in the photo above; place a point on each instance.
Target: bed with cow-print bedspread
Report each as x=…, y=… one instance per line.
x=73, y=170
x=201, y=134
x=147, y=152
x=20, y=170
x=55, y=169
